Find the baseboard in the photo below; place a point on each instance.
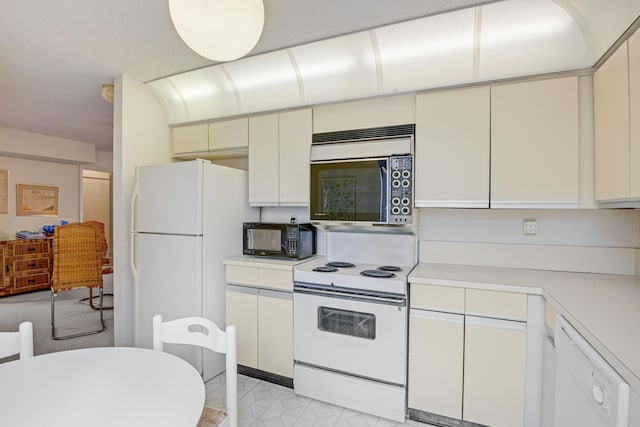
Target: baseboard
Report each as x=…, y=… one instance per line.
x=266, y=376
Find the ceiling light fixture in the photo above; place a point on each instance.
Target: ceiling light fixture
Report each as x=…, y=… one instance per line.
x=107, y=92
x=220, y=30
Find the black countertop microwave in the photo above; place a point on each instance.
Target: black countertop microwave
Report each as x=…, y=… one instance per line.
x=278, y=240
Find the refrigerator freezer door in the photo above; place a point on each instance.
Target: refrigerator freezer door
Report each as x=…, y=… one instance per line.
x=168, y=198
x=169, y=282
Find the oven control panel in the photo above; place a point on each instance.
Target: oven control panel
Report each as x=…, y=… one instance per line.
x=401, y=192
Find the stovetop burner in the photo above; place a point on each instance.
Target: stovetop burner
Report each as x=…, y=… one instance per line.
x=340, y=264
x=389, y=268
x=377, y=273
x=325, y=269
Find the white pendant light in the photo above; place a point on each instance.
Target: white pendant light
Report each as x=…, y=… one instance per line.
x=221, y=30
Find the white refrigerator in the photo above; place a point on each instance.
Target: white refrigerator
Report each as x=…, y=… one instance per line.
x=186, y=218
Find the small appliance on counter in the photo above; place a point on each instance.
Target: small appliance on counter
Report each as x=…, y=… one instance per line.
x=279, y=240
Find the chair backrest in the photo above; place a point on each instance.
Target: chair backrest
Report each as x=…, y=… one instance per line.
x=204, y=333
x=76, y=257
x=104, y=245
x=17, y=342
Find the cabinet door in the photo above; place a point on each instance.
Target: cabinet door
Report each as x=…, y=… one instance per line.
x=534, y=144
x=452, y=148
x=242, y=311
x=263, y=160
x=611, y=121
x=494, y=371
x=435, y=362
x=190, y=139
x=294, y=144
x=275, y=333
x=229, y=134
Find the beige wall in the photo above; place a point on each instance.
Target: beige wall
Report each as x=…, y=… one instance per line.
x=140, y=137
x=22, y=171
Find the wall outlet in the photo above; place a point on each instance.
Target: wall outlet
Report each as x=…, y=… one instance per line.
x=294, y=219
x=529, y=227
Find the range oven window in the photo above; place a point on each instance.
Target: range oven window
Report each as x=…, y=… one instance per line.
x=346, y=322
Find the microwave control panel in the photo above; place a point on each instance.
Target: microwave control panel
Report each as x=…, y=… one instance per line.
x=292, y=241
x=401, y=192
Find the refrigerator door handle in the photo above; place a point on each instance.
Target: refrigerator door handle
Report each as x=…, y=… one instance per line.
x=132, y=206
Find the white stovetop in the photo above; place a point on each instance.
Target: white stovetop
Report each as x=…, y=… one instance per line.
x=350, y=277
x=604, y=308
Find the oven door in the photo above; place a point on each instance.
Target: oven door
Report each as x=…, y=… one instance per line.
x=351, y=334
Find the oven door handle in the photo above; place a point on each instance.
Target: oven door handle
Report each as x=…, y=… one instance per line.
x=387, y=300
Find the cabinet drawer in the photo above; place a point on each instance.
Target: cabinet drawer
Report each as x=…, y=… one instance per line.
x=242, y=275
x=262, y=277
x=30, y=248
x=31, y=264
x=439, y=298
x=31, y=281
x=276, y=279
x=502, y=305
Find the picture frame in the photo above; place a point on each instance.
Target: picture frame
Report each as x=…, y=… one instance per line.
x=4, y=191
x=36, y=200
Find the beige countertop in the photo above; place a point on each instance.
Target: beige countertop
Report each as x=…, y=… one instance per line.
x=604, y=308
x=273, y=263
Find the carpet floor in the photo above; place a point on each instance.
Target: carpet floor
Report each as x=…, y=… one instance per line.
x=71, y=317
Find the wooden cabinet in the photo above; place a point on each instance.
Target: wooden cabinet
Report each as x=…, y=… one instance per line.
x=26, y=266
x=220, y=138
x=534, y=144
x=617, y=129
x=467, y=354
x=260, y=305
x=279, y=145
x=452, y=150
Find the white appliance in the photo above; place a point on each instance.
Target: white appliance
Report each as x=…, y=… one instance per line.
x=186, y=218
x=350, y=323
x=589, y=393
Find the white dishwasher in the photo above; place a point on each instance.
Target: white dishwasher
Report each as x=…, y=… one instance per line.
x=589, y=393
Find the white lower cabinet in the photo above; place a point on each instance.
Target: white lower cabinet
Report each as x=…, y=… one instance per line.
x=275, y=333
x=264, y=325
x=242, y=311
x=494, y=371
x=260, y=305
x=436, y=354
x=465, y=366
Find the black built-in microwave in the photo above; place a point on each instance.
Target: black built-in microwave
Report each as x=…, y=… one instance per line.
x=279, y=240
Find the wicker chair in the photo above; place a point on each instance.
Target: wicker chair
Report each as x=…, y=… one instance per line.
x=76, y=263
x=106, y=265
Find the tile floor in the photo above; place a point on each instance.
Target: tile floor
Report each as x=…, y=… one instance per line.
x=263, y=404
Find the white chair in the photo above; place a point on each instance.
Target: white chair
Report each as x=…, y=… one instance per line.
x=204, y=333
x=17, y=342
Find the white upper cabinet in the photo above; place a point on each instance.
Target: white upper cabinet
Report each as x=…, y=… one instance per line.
x=191, y=139
x=452, y=150
x=229, y=135
x=216, y=138
x=279, y=145
x=368, y=113
x=294, y=146
x=534, y=144
x=263, y=160
x=617, y=128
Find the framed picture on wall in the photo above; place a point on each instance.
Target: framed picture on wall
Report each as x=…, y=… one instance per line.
x=4, y=191
x=36, y=200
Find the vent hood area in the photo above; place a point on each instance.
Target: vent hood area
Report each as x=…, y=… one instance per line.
x=500, y=40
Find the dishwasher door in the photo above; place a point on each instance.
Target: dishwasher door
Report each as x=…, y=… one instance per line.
x=589, y=393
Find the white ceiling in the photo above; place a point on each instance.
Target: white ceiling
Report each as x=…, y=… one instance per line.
x=55, y=55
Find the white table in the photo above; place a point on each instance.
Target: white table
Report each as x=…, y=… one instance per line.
x=101, y=387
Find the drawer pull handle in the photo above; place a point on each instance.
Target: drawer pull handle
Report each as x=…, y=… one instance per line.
x=31, y=249
x=31, y=281
x=32, y=265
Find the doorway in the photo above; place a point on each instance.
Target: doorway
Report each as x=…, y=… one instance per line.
x=96, y=201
